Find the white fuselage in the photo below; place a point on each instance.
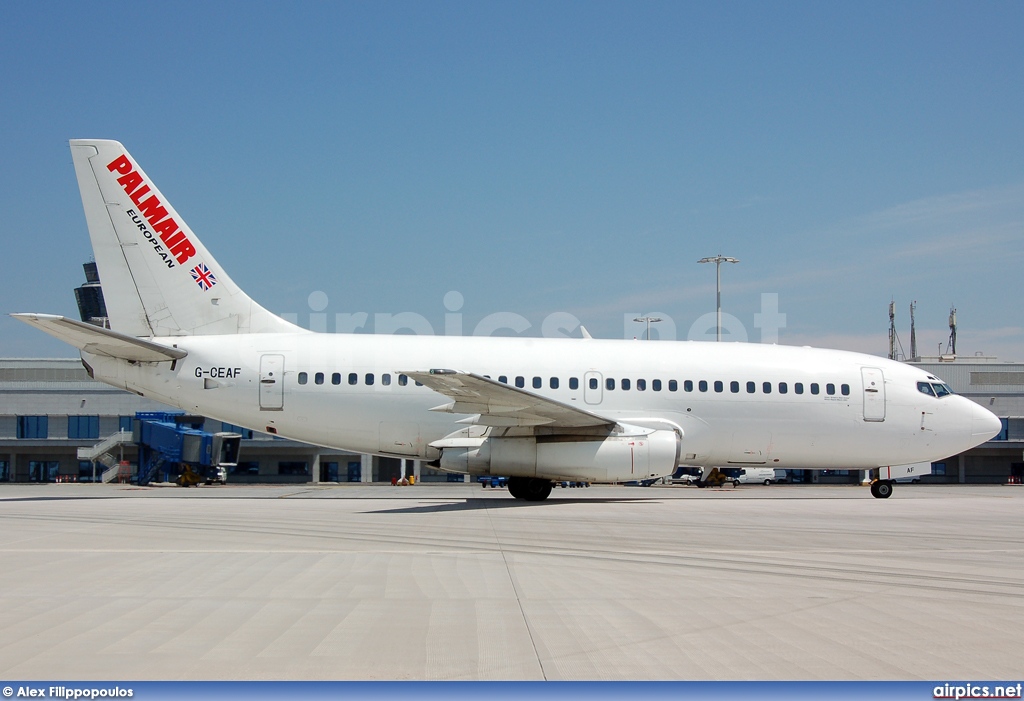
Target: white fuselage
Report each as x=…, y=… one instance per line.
x=817, y=412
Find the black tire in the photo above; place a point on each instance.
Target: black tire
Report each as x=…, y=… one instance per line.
x=884, y=489
x=767, y=482
x=537, y=490
x=517, y=487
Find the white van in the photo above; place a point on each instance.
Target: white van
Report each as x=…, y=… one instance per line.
x=756, y=475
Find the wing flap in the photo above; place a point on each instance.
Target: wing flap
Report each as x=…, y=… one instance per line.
x=496, y=404
x=99, y=341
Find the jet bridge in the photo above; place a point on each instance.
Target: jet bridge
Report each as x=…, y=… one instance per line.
x=173, y=446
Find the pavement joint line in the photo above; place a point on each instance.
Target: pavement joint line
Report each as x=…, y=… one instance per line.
x=519, y=602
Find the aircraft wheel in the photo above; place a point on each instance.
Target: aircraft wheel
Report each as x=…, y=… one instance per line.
x=517, y=487
x=537, y=490
x=881, y=489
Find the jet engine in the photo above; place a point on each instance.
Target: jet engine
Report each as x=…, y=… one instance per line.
x=633, y=453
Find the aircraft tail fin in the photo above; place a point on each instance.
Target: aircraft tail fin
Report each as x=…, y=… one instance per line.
x=157, y=277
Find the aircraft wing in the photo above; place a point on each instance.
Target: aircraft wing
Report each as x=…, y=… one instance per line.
x=99, y=341
x=496, y=404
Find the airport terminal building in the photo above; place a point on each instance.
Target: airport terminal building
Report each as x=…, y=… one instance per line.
x=50, y=408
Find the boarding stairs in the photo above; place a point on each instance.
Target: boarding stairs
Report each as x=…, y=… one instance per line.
x=100, y=453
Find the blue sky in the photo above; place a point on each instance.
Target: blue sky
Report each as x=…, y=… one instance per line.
x=543, y=157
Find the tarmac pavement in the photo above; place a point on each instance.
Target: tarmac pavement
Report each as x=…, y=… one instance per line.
x=448, y=581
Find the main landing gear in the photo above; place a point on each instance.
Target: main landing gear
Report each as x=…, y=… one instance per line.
x=881, y=489
x=529, y=488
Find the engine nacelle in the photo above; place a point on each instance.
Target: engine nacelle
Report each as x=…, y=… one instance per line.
x=636, y=454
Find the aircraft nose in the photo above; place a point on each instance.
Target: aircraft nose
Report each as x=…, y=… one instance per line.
x=984, y=424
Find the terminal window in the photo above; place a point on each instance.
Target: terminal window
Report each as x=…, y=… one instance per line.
x=292, y=468
x=43, y=470
x=1004, y=431
x=83, y=427
x=124, y=423
x=233, y=428
x=33, y=426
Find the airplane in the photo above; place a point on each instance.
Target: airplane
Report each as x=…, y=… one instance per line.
x=534, y=410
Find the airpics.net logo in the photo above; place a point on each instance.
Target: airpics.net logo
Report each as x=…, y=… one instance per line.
x=768, y=322
x=977, y=691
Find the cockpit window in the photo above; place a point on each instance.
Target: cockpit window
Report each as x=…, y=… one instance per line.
x=941, y=390
x=925, y=388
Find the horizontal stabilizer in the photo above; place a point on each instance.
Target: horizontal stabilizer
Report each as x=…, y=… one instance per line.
x=99, y=341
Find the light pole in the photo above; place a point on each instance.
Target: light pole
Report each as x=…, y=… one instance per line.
x=649, y=320
x=718, y=260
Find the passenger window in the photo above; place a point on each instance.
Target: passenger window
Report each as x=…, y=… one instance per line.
x=593, y=383
x=520, y=381
x=798, y=387
x=336, y=378
x=553, y=383
x=656, y=385
x=783, y=388
x=814, y=388
x=751, y=387
x=687, y=386
x=353, y=378
x=574, y=383
x=369, y=378
x=702, y=385
x=403, y=380
x=319, y=378
x=503, y=379
x=922, y=387
x=766, y=387
x=830, y=389
x=734, y=387
x=385, y=379
x=537, y=383
x=624, y=384
x=845, y=390
x=303, y=378
x=719, y=386
x=609, y=383
x=641, y=385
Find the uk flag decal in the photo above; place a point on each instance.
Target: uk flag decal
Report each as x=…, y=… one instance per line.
x=203, y=277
